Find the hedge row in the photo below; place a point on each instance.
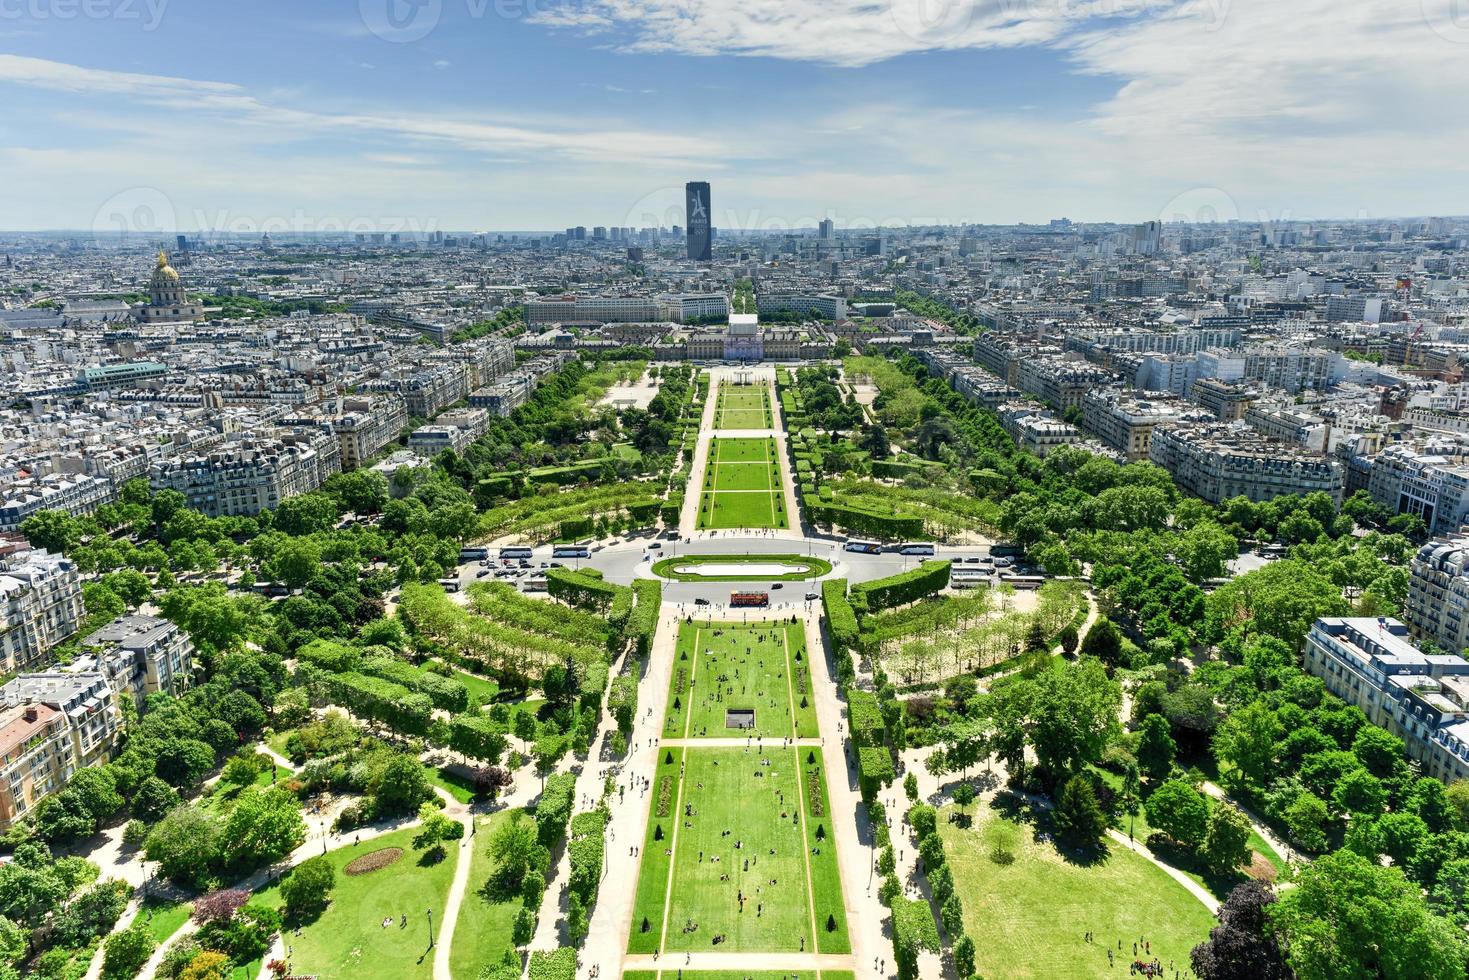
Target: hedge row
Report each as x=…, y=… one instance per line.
x=643, y=622
x=622, y=702
x=861, y=521
x=901, y=589
x=378, y=700
x=583, y=589
x=553, y=812
x=477, y=737
x=866, y=718
x=558, y=965
x=446, y=693
x=874, y=770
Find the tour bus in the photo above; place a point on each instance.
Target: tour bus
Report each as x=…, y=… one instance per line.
x=515, y=552
x=1023, y=581
x=1006, y=551
x=916, y=548
x=863, y=547
x=571, y=551
x=761, y=599
x=449, y=584
x=473, y=554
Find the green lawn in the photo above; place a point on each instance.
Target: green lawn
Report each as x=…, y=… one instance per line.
x=742, y=486
x=348, y=941
x=743, y=407
x=1028, y=916
x=482, y=690
x=163, y=916
x=740, y=829
x=482, y=934
x=801, y=567
x=714, y=674
x=455, y=785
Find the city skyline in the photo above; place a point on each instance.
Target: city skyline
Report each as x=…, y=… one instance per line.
x=441, y=115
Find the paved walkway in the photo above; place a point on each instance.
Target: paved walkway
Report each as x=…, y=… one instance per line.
x=1194, y=888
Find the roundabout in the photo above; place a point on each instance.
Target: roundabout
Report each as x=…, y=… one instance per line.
x=741, y=568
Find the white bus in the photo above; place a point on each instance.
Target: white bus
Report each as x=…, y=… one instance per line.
x=571, y=551
x=916, y=548
x=473, y=554
x=863, y=547
x=515, y=552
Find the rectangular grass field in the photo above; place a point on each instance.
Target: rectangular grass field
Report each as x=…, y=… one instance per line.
x=739, y=824
x=743, y=407
x=761, y=667
x=742, y=486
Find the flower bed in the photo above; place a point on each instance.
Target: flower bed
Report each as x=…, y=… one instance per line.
x=373, y=861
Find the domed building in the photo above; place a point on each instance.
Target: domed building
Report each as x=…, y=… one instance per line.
x=168, y=301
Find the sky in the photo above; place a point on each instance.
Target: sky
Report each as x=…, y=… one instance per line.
x=469, y=115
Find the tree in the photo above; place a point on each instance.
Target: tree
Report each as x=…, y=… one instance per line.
x=1281, y=600
x=207, y=964
x=1078, y=815
x=92, y=913
x=435, y=828
x=1359, y=792
x=1103, y=641
x=54, y=530
x=514, y=847
x=125, y=952
x=1226, y=840
x=964, y=795
x=185, y=843
x=1378, y=749
x=964, y=956
x=29, y=894
x=1180, y=811
x=1246, y=741
x=264, y=825
x=1306, y=817
x=306, y=890
x=1070, y=710
x=1242, y=946
x=910, y=786
x=1348, y=916
x=219, y=905
x=153, y=799
x=401, y=787
x=14, y=941
x=1155, y=748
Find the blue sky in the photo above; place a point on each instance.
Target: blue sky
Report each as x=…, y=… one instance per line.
x=537, y=114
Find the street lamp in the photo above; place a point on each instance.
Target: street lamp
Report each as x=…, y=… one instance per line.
x=430, y=928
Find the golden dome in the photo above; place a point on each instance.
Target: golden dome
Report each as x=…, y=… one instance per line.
x=163, y=270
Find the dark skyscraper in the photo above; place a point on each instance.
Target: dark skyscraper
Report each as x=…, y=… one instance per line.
x=696, y=199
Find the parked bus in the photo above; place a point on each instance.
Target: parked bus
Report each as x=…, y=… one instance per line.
x=761, y=599
x=473, y=554
x=449, y=584
x=916, y=548
x=863, y=547
x=515, y=552
x=1023, y=581
x=571, y=551
x=1007, y=551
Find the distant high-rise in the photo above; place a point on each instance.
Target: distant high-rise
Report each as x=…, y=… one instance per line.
x=696, y=198
x=827, y=230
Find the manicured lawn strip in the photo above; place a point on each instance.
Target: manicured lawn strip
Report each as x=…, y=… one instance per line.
x=826, y=877
x=743, y=407
x=739, y=795
x=656, y=860
x=802, y=567
x=738, y=493
x=798, y=664
x=743, y=476
x=739, y=975
x=717, y=650
x=348, y=941
x=743, y=509
x=456, y=786
x=167, y=916
x=481, y=689
x=1032, y=912
x=483, y=931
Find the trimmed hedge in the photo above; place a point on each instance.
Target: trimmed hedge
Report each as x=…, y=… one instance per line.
x=899, y=590
x=874, y=770
x=887, y=527
x=581, y=589
x=330, y=655
x=557, y=965
x=866, y=719
x=477, y=737
x=896, y=470
x=553, y=812
x=841, y=620
x=445, y=693
x=378, y=700
x=643, y=622
x=622, y=702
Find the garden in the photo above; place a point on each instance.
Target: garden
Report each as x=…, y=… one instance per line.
x=742, y=486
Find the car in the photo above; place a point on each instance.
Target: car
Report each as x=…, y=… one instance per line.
x=701, y=601
x=812, y=596
x=482, y=573
x=1003, y=563
x=775, y=585
x=972, y=560
x=543, y=564
x=557, y=564
x=524, y=563
x=654, y=546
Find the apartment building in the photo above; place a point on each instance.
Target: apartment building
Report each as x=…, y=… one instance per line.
x=453, y=431
x=252, y=474
x=365, y=426
x=1035, y=430
x=1431, y=481
x=1217, y=462
x=1228, y=402
x=1124, y=423
x=40, y=606
x=75, y=494
x=1422, y=698
x=1437, y=607
x=1059, y=383
x=51, y=725
x=830, y=307
x=139, y=655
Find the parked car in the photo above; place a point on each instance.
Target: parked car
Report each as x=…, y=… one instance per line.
x=654, y=546
x=775, y=585
x=972, y=560
x=812, y=596
x=701, y=601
